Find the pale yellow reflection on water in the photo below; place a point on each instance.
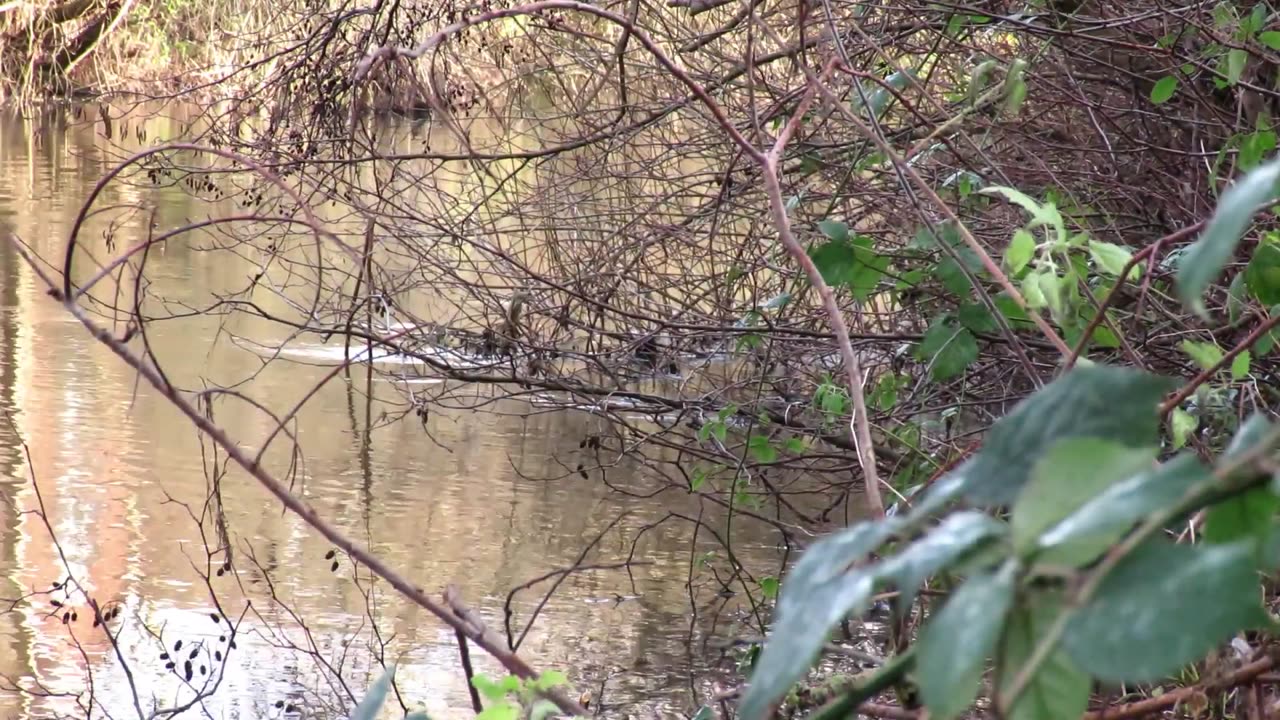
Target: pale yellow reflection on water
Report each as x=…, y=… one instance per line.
x=124, y=480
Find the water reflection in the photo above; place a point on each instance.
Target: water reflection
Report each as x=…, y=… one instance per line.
x=127, y=482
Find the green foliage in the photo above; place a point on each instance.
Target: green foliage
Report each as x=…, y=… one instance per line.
x=1164, y=89
x=1102, y=402
x=510, y=697
x=1262, y=274
x=1201, y=264
x=955, y=644
x=1206, y=592
x=948, y=348
x=1057, y=690
x=848, y=260
x=1081, y=585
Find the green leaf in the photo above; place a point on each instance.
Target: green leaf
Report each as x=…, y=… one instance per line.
x=977, y=318
x=1236, y=302
x=705, y=713
x=368, y=707
x=885, y=393
x=1046, y=214
x=761, y=449
x=1058, y=690
x=492, y=690
x=1240, y=365
x=1163, y=606
x=948, y=348
x=953, y=538
x=769, y=587
x=1015, y=96
x=834, y=229
x=1065, y=478
x=1205, y=354
x=1163, y=90
x=955, y=643
x=505, y=710
x=1181, y=425
x=1109, y=258
x=1200, y=265
x=822, y=589
x=1020, y=251
x=1236, y=59
x=1051, y=287
x=849, y=261
x=550, y=679
x=1254, y=430
x=1116, y=404
x=1016, y=316
x=1114, y=510
x=952, y=276
x=1262, y=274
x=1270, y=38
x=1247, y=515
x=543, y=709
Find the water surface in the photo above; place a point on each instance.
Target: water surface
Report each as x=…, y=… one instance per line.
x=483, y=499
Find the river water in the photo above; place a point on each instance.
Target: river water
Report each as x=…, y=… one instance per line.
x=483, y=499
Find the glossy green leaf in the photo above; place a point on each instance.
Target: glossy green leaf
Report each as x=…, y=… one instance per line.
x=1247, y=515
x=1201, y=264
x=1109, y=258
x=371, y=703
x=954, y=537
x=1058, y=690
x=1164, y=89
x=956, y=641
x=1240, y=365
x=1205, y=354
x=1116, y=509
x=1181, y=425
x=1020, y=251
x=1064, y=479
x=1163, y=606
x=948, y=348
x=1270, y=38
x=824, y=587
x=1116, y=404
x=1262, y=274
x=1256, y=429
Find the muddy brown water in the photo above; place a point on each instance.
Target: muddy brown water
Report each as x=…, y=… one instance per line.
x=484, y=503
